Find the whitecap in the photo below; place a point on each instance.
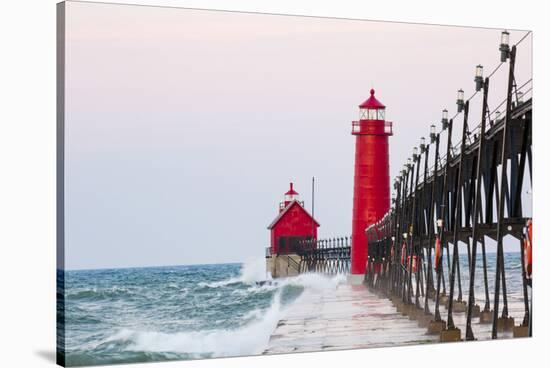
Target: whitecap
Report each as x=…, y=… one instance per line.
x=252, y=338
x=252, y=271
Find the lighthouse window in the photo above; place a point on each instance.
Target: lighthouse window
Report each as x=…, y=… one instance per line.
x=290, y=197
x=371, y=114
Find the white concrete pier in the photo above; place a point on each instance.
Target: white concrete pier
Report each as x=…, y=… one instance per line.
x=351, y=316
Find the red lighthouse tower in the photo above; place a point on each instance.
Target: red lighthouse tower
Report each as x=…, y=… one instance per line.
x=371, y=192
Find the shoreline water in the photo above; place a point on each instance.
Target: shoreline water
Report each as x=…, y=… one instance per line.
x=173, y=313
x=185, y=312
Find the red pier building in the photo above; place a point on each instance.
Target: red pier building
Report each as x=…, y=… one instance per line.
x=371, y=191
x=292, y=225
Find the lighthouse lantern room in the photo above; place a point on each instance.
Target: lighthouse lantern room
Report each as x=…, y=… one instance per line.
x=290, y=196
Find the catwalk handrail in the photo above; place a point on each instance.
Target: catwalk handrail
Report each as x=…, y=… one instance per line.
x=454, y=201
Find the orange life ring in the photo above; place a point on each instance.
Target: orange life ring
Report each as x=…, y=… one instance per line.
x=437, y=251
x=528, y=249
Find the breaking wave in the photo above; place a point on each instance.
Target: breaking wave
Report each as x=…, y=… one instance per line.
x=180, y=313
x=253, y=271
x=251, y=338
x=100, y=294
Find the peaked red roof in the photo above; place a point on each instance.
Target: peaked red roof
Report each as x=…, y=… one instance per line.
x=372, y=102
x=285, y=211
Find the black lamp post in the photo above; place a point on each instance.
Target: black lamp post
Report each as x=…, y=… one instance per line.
x=460, y=100
x=479, y=78
x=445, y=119
x=422, y=145
x=432, y=133
x=504, y=46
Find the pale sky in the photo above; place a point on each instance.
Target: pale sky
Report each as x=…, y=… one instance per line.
x=184, y=127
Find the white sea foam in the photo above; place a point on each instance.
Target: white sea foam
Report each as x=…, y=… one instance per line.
x=251, y=338
x=314, y=281
x=252, y=271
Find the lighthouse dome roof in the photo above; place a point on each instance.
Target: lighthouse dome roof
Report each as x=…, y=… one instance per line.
x=291, y=191
x=372, y=102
